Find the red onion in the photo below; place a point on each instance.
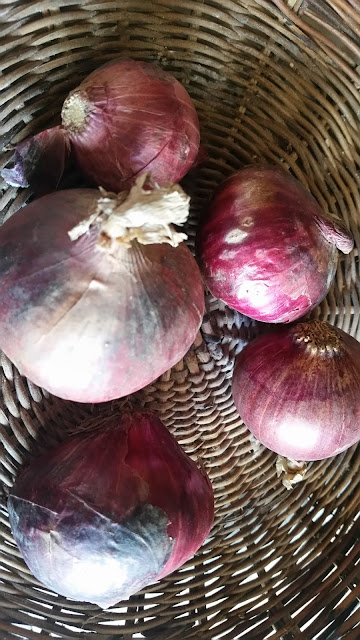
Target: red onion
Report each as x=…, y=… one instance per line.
x=297, y=390
x=110, y=510
x=266, y=249
x=129, y=117
x=104, y=314
x=40, y=161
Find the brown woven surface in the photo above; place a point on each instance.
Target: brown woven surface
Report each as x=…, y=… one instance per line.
x=275, y=81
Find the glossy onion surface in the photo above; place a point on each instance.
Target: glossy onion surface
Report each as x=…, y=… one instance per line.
x=265, y=247
x=297, y=390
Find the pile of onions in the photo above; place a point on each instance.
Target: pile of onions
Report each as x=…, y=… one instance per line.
x=266, y=248
x=297, y=390
x=99, y=293
x=110, y=510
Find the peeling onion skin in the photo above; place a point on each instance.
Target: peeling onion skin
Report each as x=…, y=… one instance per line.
x=129, y=117
x=110, y=511
x=265, y=247
x=297, y=390
x=86, y=324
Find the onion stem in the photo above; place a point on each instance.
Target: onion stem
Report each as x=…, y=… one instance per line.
x=146, y=213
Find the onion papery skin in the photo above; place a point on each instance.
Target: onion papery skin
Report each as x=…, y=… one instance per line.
x=41, y=162
x=109, y=511
x=265, y=247
x=297, y=390
x=129, y=117
x=86, y=323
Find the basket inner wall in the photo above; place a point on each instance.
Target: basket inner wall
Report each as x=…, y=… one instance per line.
x=278, y=564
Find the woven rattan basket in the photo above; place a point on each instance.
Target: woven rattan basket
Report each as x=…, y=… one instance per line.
x=272, y=81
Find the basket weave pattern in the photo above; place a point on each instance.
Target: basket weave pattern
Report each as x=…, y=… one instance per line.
x=272, y=81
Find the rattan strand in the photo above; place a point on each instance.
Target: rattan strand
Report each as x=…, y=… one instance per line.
x=272, y=81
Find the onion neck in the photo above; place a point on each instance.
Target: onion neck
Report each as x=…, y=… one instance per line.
x=75, y=112
x=335, y=233
x=146, y=213
x=319, y=338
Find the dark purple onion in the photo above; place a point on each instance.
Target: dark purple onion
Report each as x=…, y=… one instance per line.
x=40, y=161
x=110, y=510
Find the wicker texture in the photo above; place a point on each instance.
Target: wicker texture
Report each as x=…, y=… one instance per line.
x=272, y=81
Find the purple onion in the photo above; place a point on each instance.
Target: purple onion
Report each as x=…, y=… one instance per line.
x=266, y=248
